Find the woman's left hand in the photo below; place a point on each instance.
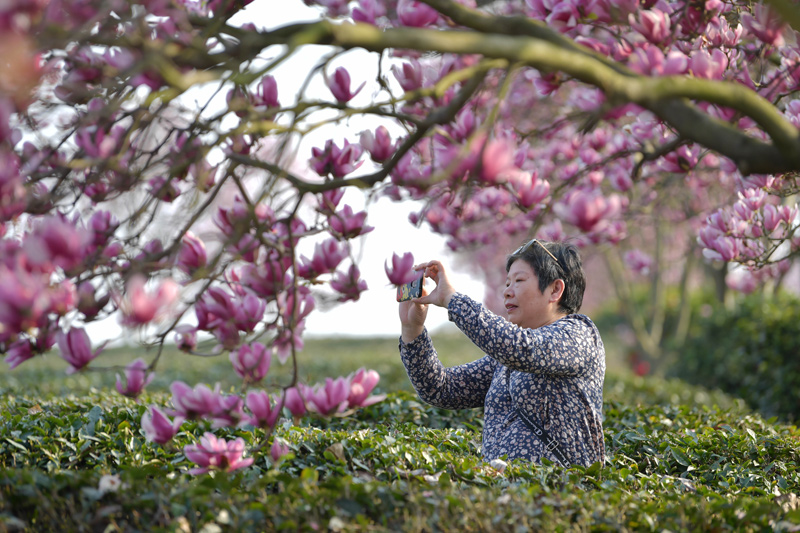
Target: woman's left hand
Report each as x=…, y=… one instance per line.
x=444, y=290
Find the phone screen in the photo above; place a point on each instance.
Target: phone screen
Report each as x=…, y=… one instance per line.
x=410, y=290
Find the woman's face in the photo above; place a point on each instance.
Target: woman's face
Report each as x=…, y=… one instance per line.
x=525, y=304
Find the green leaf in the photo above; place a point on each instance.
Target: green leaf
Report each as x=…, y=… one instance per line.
x=679, y=456
x=16, y=445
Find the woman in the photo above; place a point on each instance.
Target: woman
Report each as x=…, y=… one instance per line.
x=541, y=381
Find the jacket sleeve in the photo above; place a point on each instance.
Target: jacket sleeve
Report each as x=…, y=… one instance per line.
x=456, y=387
x=564, y=348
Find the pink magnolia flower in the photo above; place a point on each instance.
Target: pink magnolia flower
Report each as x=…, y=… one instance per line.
x=103, y=224
x=361, y=385
x=565, y=15
x=12, y=189
x=19, y=352
x=621, y=50
x=203, y=175
x=88, y=302
x=240, y=215
x=411, y=171
x=653, y=24
x=531, y=191
x=26, y=299
x=76, y=349
x=464, y=125
x=296, y=305
x=136, y=379
x=99, y=143
x=278, y=449
x=230, y=412
x=378, y=144
x=650, y=60
x=192, y=403
x=329, y=398
x=266, y=279
x=157, y=426
x=349, y=284
x=57, y=242
x=141, y=307
x=409, y=75
x=773, y=216
x=202, y=402
x=722, y=248
x=416, y=14
x=192, y=253
x=186, y=338
x=338, y=162
x=709, y=66
x=765, y=24
x=265, y=413
x=594, y=44
x=620, y=178
x=681, y=160
x=585, y=209
x=497, y=160
x=638, y=261
x=152, y=256
x=770, y=218
x=329, y=200
x=742, y=280
x=286, y=341
x=266, y=94
x=163, y=188
x=752, y=200
x=251, y=361
x=347, y=224
x=213, y=453
x=327, y=256
x=368, y=11
x=719, y=33
x=248, y=311
x=547, y=83
x=339, y=85
x=402, y=269
x=295, y=400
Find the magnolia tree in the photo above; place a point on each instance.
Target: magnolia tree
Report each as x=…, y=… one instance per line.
x=126, y=190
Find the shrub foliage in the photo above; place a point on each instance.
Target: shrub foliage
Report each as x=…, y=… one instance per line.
x=679, y=458
x=749, y=351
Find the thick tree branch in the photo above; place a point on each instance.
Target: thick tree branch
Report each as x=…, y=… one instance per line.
x=667, y=97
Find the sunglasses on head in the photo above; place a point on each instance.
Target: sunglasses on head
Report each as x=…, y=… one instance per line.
x=522, y=249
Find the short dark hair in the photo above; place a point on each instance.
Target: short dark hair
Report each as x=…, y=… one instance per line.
x=567, y=266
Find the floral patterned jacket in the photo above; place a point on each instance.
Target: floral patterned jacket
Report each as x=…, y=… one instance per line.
x=554, y=374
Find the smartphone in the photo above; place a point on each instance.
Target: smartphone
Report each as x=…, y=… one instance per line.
x=412, y=289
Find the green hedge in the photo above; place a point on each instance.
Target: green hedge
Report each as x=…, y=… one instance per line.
x=680, y=459
x=751, y=351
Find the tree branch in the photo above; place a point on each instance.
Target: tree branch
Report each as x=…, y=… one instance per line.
x=666, y=97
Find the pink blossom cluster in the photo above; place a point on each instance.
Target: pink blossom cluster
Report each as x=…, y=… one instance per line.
x=258, y=408
x=754, y=227
x=335, y=395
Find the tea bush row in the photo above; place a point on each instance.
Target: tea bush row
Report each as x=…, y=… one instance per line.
x=679, y=458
